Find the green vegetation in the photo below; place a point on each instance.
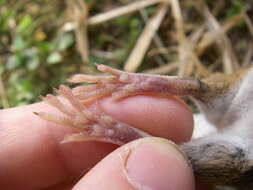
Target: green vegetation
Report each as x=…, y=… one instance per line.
x=37, y=54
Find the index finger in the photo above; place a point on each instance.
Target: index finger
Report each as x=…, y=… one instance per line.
x=32, y=157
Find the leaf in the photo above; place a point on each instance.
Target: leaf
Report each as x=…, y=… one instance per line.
x=236, y=8
x=93, y=59
x=122, y=21
x=33, y=63
x=25, y=24
x=2, y=2
x=45, y=47
x=64, y=41
x=26, y=85
x=13, y=62
x=19, y=44
x=120, y=54
x=54, y=58
x=31, y=58
x=5, y=18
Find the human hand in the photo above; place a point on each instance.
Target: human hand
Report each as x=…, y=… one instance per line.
x=33, y=158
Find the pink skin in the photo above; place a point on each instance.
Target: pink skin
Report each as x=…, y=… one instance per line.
x=96, y=125
x=159, y=111
x=32, y=157
x=151, y=163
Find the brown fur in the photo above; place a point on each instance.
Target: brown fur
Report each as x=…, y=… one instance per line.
x=220, y=163
x=219, y=84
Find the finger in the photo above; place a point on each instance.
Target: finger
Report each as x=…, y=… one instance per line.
x=32, y=156
x=30, y=145
x=148, y=163
x=168, y=118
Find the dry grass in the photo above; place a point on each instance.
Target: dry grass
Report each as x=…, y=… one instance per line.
x=189, y=45
x=170, y=37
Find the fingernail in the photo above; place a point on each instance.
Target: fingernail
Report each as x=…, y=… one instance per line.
x=157, y=164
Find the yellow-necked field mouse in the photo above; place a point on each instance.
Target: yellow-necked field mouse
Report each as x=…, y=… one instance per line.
x=222, y=158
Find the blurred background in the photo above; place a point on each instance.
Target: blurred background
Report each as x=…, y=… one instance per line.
x=42, y=42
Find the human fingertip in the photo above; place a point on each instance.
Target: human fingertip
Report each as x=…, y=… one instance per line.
x=158, y=164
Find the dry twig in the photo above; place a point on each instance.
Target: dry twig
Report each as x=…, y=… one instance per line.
x=103, y=17
x=163, y=70
x=143, y=42
x=79, y=11
x=187, y=57
x=157, y=40
x=229, y=59
x=208, y=39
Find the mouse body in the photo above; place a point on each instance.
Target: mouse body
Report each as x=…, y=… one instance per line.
x=224, y=157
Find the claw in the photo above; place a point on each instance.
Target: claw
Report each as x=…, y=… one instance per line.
x=56, y=119
x=66, y=92
x=107, y=69
x=86, y=88
x=55, y=102
x=82, y=78
x=94, y=125
x=97, y=125
x=97, y=93
x=81, y=137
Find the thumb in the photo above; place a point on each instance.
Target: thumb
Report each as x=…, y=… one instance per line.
x=149, y=163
